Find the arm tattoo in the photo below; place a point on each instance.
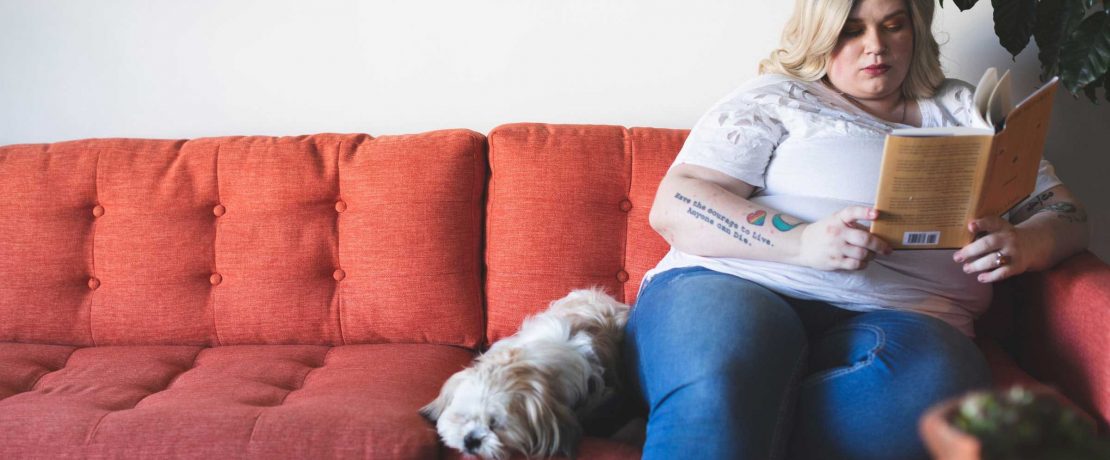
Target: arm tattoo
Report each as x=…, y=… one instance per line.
x=1038, y=201
x=1066, y=211
x=729, y=226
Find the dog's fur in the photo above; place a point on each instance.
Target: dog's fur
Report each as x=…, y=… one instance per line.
x=529, y=391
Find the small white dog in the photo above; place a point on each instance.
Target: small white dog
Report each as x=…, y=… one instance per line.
x=528, y=392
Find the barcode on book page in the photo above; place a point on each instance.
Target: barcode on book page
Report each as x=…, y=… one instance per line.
x=920, y=238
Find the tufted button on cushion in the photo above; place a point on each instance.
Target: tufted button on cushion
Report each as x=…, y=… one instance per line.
x=622, y=276
x=216, y=279
x=98, y=210
x=93, y=283
x=339, y=274
x=340, y=206
x=219, y=210
x=626, y=205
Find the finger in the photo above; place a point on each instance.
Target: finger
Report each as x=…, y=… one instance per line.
x=988, y=224
x=978, y=248
x=866, y=240
x=986, y=263
x=994, y=276
x=851, y=214
x=849, y=263
x=855, y=252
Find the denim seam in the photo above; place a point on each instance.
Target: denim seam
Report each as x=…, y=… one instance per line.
x=786, y=405
x=857, y=366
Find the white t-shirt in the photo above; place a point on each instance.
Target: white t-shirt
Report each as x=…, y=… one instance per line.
x=810, y=152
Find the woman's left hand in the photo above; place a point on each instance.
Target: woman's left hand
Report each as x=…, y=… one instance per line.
x=1003, y=252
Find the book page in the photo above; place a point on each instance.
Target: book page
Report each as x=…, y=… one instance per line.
x=927, y=189
x=999, y=104
x=982, y=96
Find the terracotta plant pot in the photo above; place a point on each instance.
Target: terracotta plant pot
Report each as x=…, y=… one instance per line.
x=944, y=441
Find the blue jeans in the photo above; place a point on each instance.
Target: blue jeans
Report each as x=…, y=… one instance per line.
x=730, y=369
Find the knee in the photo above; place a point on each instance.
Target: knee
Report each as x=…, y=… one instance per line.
x=946, y=352
x=930, y=350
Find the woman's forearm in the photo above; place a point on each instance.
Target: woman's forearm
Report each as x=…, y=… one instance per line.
x=1057, y=222
x=1061, y=232
x=703, y=218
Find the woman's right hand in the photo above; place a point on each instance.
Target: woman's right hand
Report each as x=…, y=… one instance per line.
x=838, y=242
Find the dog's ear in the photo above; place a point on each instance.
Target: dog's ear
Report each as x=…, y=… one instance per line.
x=555, y=429
x=434, y=409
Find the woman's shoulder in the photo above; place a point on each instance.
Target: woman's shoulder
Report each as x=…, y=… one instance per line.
x=766, y=90
x=766, y=82
x=955, y=100
x=953, y=91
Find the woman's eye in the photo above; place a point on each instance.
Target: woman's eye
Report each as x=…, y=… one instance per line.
x=851, y=32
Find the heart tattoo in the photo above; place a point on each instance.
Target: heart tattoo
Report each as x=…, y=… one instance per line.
x=757, y=218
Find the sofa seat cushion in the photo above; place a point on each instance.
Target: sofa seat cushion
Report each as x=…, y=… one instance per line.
x=263, y=401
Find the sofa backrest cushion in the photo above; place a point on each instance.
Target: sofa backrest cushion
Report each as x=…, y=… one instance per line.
x=324, y=239
x=567, y=208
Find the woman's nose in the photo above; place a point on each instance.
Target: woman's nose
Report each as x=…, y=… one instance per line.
x=873, y=42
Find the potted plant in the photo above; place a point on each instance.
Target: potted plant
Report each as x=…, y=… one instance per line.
x=1019, y=423
x=1073, y=37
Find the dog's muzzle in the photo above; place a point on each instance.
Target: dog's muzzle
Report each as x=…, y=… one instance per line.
x=472, y=443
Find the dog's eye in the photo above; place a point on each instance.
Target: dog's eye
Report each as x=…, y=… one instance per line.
x=494, y=424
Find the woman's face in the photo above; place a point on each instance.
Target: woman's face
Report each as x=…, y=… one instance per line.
x=873, y=54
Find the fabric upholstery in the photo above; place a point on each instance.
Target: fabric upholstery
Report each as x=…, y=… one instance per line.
x=302, y=297
x=327, y=239
x=1064, y=323
x=260, y=401
x=567, y=209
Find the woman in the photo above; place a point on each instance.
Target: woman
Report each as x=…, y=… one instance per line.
x=796, y=332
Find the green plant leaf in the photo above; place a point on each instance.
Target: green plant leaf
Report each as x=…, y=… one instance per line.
x=1056, y=21
x=963, y=5
x=1086, y=55
x=1091, y=90
x=1106, y=79
x=1013, y=23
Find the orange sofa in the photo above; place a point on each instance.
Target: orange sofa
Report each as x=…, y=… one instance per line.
x=301, y=297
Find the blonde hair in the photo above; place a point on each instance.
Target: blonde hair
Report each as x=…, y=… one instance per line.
x=812, y=31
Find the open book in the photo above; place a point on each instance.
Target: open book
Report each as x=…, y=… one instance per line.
x=933, y=181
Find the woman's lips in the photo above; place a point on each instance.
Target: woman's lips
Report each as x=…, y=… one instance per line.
x=875, y=70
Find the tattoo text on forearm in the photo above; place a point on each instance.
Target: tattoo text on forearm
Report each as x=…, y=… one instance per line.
x=730, y=227
x=1066, y=211
x=1038, y=202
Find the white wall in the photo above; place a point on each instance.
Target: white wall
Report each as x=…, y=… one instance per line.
x=181, y=69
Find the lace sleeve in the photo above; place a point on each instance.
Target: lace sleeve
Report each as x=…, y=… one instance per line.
x=737, y=137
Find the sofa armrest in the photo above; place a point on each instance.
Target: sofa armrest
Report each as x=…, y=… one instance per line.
x=1063, y=322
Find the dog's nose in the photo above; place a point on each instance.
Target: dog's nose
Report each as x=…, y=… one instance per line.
x=472, y=442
